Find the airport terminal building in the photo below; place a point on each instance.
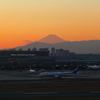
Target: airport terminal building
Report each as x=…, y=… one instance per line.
x=10, y=53
x=42, y=59
x=12, y=58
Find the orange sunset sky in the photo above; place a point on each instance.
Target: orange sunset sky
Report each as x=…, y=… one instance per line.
x=72, y=20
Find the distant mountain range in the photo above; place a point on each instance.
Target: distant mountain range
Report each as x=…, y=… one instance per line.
x=92, y=46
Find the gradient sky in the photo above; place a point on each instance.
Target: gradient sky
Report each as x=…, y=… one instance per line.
x=23, y=21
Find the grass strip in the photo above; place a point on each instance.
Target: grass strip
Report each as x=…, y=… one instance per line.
x=49, y=86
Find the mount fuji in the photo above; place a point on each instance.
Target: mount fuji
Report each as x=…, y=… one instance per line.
x=51, y=39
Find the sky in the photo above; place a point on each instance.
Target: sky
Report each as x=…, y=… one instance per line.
x=24, y=21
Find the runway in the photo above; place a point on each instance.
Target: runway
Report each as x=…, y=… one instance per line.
x=51, y=93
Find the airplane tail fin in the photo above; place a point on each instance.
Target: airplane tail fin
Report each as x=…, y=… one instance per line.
x=76, y=70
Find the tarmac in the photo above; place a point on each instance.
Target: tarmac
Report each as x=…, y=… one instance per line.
x=16, y=75
x=9, y=77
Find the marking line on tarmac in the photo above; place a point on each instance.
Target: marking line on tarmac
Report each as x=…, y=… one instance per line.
x=43, y=93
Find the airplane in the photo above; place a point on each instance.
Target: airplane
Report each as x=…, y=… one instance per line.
x=93, y=67
x=57, y=75
x=31, y=70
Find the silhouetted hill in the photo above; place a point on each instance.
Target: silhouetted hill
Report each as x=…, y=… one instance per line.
x=92, y=46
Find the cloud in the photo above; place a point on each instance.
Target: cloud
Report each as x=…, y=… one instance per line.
x=26, y=42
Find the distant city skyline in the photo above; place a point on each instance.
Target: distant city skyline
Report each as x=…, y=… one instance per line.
x=26, y=21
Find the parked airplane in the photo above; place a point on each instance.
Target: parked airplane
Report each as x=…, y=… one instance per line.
x=57, y=74
x=31, y=71
x=93, y=67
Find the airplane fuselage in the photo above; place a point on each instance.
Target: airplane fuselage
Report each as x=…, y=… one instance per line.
x=57, y=74
x=93, y=67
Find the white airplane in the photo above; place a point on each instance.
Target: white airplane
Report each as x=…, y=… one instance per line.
x=93, y=67
x=57, y=74
x=31, y=71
